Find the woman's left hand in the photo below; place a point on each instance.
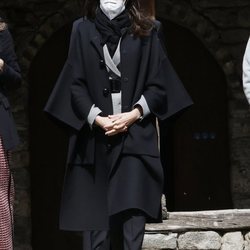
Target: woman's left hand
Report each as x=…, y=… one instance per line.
x=122, y=121
x=1, y=65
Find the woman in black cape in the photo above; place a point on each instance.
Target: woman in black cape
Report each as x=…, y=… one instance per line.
x=9, y=79
x=116, y=81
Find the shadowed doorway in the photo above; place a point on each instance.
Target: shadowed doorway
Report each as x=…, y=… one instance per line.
x=195, y=144
x=48, y=146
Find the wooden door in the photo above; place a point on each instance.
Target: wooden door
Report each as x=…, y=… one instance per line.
x=195, y=144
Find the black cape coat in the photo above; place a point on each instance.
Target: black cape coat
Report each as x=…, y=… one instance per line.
x=9, y=79
x=145, y=70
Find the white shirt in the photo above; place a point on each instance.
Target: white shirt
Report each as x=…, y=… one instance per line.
x=246, y=72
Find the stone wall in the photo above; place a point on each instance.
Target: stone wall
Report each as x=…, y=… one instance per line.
x=204, y=230
x=200, y=240
x=222, y=25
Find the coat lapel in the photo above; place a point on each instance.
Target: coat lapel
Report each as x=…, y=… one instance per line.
x=130, y=47
x=96, y=41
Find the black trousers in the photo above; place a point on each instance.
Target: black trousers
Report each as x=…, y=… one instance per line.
x=126, y=233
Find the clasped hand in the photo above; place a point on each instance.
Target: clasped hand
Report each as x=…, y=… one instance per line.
x=115, y=124
x=1, y=64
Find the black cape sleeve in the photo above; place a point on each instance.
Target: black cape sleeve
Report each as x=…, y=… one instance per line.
x=59, y=105
x=164, y=93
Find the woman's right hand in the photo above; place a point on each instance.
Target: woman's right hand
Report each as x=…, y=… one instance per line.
x=103, y=122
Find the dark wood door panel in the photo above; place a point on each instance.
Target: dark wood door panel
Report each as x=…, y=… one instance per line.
x=199, y=158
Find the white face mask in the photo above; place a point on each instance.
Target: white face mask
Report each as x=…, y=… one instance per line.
x=112, y=8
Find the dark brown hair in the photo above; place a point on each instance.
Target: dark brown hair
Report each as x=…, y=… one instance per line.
x=142, y=22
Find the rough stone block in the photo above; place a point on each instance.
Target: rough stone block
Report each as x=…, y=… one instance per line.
x=160, y=241
x=247, y=242
x=232, y=241
x=247, y=237
x=199, y=240
x=246, y=245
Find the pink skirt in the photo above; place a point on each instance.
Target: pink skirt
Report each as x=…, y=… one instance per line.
x=6, y=201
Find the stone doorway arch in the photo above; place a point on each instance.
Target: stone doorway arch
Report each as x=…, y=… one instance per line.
x=45, y=233
x=48, y=147
x=194, y=145
x=182, y=14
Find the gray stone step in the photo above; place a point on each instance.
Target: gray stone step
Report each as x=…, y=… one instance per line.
x=203, y=230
